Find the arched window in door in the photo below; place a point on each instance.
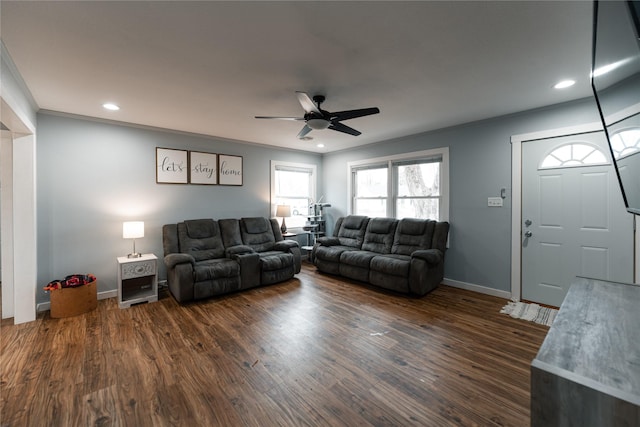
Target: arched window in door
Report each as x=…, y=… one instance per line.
x=625, y=142
x=573, y=155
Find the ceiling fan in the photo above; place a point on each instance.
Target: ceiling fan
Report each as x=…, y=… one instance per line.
x=316, y=118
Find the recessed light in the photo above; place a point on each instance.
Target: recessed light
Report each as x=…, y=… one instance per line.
x=110, y=106
x=609, y=67
x=564, y=84
x=320, y=145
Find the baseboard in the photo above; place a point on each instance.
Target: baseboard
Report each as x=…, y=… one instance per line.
x=477, y=288
x=44, y=306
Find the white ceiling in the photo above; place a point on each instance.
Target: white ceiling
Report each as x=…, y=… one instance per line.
x=209, y=67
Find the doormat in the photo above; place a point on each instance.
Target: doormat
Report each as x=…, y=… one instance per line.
x=531, y=312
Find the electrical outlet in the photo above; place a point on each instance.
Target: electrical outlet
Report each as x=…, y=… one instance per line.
x=494, y=202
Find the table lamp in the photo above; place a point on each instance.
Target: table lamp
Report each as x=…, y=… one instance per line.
x=133, y=230
x=283, y=211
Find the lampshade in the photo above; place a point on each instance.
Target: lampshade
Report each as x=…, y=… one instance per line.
x=318, y=124
x=283, y=211
x=132, y=229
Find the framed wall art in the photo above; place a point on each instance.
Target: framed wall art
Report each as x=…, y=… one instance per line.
x=171, y=166
x=229, y=170
x=203, y=168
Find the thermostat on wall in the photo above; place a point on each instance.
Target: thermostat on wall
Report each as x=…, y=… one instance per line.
x=494, y=202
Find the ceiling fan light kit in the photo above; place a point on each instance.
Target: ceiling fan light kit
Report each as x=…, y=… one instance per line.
x=316, y=118
x=318, y=124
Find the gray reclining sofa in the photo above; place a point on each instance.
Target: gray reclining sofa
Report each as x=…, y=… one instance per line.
x=205, y=258
x=405, y=255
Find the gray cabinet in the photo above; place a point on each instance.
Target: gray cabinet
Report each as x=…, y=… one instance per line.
x=587, y=372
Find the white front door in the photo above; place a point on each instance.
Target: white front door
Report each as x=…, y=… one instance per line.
x=574, y=222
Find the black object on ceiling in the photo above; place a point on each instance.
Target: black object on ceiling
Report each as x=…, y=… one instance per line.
x=316, y=118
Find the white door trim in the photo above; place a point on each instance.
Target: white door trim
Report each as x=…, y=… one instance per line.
x=516, y=185
x=22, y=224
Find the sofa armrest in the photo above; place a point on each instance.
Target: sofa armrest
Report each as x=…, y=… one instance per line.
x=180, y=276
x=249, y=268
x=238, y=250
x=431, y=256
x=328, y=241
x=172, y=260
x=292, y=247
x=285, y=245
x=426, y=271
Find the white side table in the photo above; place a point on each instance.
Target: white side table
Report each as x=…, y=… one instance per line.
x=137, y=280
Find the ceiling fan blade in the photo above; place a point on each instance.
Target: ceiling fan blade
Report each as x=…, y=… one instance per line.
x=305, y=130
x=344, y=128
x=352, y=114
x=279, y=118
x=307, y=103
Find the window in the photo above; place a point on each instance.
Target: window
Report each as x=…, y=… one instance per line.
x=293, y=184
x=625, y=142
x=370, y=184
x=418, y=192
x=574, y=154
x=413, y=185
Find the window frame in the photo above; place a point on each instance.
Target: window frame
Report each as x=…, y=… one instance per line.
x=353, y=184
x=564, y=163
x=389, y=162
x=632, y=149
x=292, y=166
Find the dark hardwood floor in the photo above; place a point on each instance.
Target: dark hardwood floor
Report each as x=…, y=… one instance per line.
x=314, y=351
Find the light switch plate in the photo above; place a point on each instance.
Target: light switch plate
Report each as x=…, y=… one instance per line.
x=494, y=202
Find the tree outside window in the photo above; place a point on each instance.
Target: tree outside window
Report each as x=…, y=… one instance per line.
x=401, y=187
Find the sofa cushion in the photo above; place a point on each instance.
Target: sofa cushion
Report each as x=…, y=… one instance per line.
x=331, y=253
x=230, y=230
x=257, y=233
x=352, y=229
x=357, y=258
x=412, y=234
x=379, y=235
x=216, y=269
x=275, y=261
x=256, y=225
x=200, y=228
x=395, y=265
x=201, y=239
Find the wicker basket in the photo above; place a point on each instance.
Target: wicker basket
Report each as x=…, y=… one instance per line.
x=67, y=302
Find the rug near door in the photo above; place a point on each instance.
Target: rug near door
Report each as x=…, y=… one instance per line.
x=531, y=312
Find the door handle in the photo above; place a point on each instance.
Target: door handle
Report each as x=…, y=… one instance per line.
x=528, y=234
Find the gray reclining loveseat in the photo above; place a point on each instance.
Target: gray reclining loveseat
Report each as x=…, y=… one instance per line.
x=205, y=258
x=405, y=255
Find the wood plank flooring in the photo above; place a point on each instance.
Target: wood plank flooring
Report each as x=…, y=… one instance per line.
x=314, y=351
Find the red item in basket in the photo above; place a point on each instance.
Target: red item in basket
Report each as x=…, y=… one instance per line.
x=72, y=281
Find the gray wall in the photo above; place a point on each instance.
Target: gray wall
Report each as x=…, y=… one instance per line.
x=93, y=175
x=480, y=165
